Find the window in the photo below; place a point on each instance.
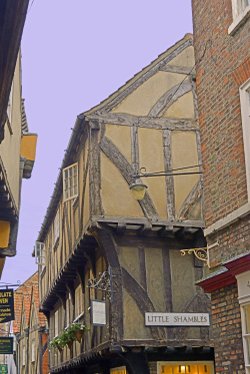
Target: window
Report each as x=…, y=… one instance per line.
x=23, y=355
x=243, y=281
x=185, y=367
x=245, y=115
x=56, y=228
x=56, y=318
x=33, y=358
x=40, y=254
x=79, y=303
x=240, y=10
x=70, y=182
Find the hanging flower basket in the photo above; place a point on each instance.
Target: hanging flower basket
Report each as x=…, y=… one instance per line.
x=77, y=329
x=73, y=332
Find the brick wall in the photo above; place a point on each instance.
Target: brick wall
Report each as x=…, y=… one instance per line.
x=227, y=331
x=222, y=63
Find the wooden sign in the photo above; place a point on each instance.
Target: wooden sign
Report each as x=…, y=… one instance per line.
x=177, y=319
x=6, y=345
x=6, y=305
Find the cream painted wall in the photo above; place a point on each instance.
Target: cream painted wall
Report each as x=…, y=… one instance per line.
x=185, y=58
x=10, y=146
x=116, y=196
x=141, y=101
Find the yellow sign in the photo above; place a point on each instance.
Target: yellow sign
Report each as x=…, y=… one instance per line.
x=120, y=370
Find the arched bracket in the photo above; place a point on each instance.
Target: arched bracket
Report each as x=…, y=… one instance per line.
x=200, y=253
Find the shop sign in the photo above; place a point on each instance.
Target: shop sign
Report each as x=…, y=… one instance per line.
x=6, y=345
x=6, y=305
x=98, y=309
x=3, y=369
x=120, y=370
x=177, y=319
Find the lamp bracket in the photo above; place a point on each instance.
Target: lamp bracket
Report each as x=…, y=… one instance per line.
x=200, y=253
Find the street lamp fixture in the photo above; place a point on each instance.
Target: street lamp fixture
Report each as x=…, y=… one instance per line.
x=138, y=188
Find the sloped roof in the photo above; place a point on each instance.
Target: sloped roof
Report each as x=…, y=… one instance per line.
x=137, y=77
x=117, y=96
x=24, y=296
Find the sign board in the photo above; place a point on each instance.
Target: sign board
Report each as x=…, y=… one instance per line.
x=98, y=309
x=120, y=370
x=177, y=319
x=6, y=305
x=3, y=369
x=6, y=345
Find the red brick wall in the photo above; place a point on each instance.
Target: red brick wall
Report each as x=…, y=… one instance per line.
x=222, y=62
x=227, y=331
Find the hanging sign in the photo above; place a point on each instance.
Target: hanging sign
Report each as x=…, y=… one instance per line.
x=6, y=345
x=98, y=309
x=177, y=319
x=3, y=369
x=7, y=305
x=120, y=370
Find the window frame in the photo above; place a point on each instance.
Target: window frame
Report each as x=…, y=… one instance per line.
x=239, y=16
x=56, y=323
x=245, y=118
x=33, y=355
x=67, y=186
x=56, y=228
x=243, y=284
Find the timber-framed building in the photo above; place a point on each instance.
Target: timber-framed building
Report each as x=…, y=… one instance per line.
x=106, y=259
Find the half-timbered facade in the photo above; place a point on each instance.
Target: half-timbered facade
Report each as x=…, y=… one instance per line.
x=106, y=259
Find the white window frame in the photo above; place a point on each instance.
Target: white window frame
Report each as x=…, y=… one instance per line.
x=243, y=282
x=23, y=356
x=56, y=323
x=70, y=191
x=240, y=14
x=33, y=356
x=40, y=254
x=56, y=228
x=245, y=116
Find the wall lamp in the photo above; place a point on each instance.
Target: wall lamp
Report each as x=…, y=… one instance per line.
x=138, y=188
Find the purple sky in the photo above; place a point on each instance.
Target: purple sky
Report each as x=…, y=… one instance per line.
x=75, y=54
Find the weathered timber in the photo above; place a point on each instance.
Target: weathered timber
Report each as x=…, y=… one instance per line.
x=169, y=179
x=108, y=246
x=167, y=287
x=135, y=149
x=178, y=69
x=142, y=263
x=95, y=174
x=68, y=227
x=130, y=120
x=84, y=182
x=190, y=201
x=117, y=158
x=170, y=97
x=142, y=300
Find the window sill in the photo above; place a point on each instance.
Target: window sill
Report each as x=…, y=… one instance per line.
x=239, y=21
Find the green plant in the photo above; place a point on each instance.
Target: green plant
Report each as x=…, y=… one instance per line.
x=71, y=333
